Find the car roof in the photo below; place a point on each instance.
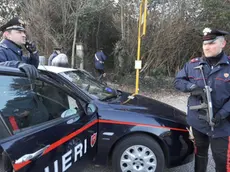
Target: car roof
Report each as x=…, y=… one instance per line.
x=55, y=69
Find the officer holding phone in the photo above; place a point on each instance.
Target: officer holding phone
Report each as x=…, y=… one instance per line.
x=11, y=55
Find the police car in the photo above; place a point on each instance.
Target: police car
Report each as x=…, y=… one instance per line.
x=66, y=119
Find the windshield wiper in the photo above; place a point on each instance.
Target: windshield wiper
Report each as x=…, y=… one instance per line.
x=116, y=95
x=109, y=97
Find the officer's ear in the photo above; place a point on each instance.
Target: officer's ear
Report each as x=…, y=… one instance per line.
x=223, y=42
x=6, y=34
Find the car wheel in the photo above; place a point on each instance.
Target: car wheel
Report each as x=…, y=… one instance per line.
x=138, y=153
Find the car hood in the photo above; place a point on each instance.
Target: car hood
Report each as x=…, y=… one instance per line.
x=149, y=106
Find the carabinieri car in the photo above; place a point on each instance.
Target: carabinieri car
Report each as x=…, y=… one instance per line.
x=66, y=119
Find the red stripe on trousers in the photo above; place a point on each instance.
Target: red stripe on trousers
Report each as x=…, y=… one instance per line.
x=228, y=156
x=195, y=148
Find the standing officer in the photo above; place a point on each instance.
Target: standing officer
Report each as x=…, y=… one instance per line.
x=216, y=69
x=99, y=60
x=14, y=37
x=56, y=51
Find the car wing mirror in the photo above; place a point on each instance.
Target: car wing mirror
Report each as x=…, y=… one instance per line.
x=68, y=112
x=91, y=109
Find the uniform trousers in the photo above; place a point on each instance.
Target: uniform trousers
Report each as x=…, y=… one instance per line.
x=220, y=148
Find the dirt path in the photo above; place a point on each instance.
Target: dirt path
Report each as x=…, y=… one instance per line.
x=173, y=98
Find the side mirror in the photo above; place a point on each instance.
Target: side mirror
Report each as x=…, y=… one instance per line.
x=91, y=109
x=68, y=113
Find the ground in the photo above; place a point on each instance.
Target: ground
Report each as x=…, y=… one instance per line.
x=177, y=100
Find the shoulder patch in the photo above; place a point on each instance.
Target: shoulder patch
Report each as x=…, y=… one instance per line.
x=3, y=45
x=195, y=60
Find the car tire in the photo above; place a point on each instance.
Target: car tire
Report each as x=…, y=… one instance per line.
x=141, y=144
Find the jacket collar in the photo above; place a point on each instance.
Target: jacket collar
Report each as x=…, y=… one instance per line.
x=11, y=45
x=224, y=60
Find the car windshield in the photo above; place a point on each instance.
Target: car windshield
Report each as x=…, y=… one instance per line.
x=89, y=84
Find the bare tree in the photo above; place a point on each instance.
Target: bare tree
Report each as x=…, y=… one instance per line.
x=173, y=29
x=8, y=9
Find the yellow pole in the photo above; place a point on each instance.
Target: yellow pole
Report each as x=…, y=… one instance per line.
x=138, y=50
x=145, y=17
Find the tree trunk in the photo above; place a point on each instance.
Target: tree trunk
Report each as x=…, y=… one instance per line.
x=122, y=21
x=73, y=59
x=98, y=31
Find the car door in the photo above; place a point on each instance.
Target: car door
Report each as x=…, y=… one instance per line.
x=49, y=130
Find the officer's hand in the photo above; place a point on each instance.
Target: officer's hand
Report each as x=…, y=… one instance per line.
x=29, y=70
x=195, y=90
x=30, y=46
x=217, y=120
x=192, y=87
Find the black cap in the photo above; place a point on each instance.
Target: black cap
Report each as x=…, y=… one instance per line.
x=210, y=35
x=14, y=24
x=57, y=48
x=100, y=49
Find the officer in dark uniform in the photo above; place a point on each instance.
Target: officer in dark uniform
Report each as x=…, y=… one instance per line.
x=14, y=37
x=216, y=68
x=99, y=60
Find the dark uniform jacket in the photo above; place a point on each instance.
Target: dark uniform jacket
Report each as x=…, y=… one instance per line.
x=11, y=55
x=218, y=78
x=52, y=56
x=99, y=59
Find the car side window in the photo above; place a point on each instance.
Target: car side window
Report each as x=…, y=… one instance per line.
x=4, y=131
x=55, y=100
x=24, y=105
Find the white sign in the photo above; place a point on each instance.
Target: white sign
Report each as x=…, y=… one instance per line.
x=79, y=47
x=138, y=64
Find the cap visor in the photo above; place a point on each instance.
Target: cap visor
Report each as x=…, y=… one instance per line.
x=209, y=41
x=21, y=29
x=16, y=28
